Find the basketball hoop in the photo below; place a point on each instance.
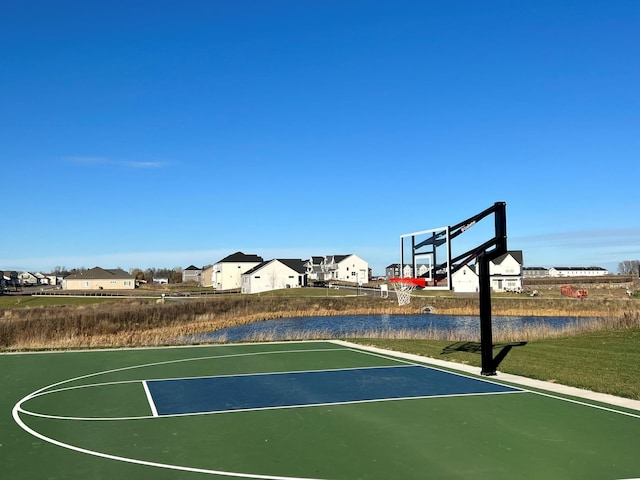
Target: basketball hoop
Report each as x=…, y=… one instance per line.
x=405, y=286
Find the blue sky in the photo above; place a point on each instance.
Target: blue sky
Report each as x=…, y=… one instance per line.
x=163, y=134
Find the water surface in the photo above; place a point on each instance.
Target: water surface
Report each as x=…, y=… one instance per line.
x=350, y=325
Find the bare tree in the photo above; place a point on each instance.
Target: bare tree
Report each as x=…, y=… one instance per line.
x=176, y=275
x=629, y=267
x=138, y=273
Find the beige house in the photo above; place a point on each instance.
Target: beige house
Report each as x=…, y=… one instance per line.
x=100, y=279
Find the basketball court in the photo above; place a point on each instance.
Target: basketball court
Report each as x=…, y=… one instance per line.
x=311, y=410
x=296, y=410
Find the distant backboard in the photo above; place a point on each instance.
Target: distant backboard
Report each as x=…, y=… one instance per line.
x=427, y=254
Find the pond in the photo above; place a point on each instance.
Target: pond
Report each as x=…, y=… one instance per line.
x=355, y=325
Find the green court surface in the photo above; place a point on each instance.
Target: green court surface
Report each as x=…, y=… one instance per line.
x=294, y=410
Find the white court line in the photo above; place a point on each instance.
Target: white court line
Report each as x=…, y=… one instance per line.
x=155, y=414
x=152, y=404
x=25, y=427
x=17, y=410
x=522, y=382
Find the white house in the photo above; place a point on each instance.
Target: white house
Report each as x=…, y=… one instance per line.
x=465, y=280
x=577, y=272
x=313, y=268
x=505, y=272
x=227, y=273
x=346, y=268
x=28, y=278
x=274, y=275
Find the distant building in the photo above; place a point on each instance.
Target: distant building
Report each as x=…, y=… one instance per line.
x=192, y=274
x=28, y=279
x=226, y=274
x=577, y=271
x=346, y=268
x=274, y=275
x=505, y=274
x=393, y=270
x=535, y=272
x=100, y=279
x=465, y=280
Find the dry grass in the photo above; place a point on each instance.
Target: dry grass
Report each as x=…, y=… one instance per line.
x=139, y=322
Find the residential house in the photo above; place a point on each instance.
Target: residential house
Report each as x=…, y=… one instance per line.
x=274, y=275
x=535, y=272
x=9, y=279
x=505, y=274
x=28, y=279
x=192, y=274
x=346, y=268
x=465, y=280
x=226, y=274
x=42, y=278
x=393, y=270
x=313, y=268
x=577, y=272
x=99, y=279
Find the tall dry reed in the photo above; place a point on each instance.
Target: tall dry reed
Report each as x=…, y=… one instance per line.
x=139, y=322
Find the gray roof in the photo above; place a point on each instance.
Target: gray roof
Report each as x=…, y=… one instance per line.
x=240, y=257
x=516, y=254
x=293, y=263
x=97, y=273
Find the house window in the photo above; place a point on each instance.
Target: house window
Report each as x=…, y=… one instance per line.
x=257, y=276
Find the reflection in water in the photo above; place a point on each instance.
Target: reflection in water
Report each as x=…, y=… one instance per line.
x=353, y=325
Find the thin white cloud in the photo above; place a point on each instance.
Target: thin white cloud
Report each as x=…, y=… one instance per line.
x=103, y=161
x=143, y=164
x=595, y=238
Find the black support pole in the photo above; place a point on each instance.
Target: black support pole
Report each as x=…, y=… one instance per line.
x=489, y=364
x=486, y=334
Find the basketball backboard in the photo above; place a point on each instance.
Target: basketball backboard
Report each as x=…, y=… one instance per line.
x=434, y=248
x=435, y=254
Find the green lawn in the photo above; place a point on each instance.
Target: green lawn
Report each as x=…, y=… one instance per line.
x=605, y=361
x=19, y=301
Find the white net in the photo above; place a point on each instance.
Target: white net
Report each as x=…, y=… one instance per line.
x=403, y=291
